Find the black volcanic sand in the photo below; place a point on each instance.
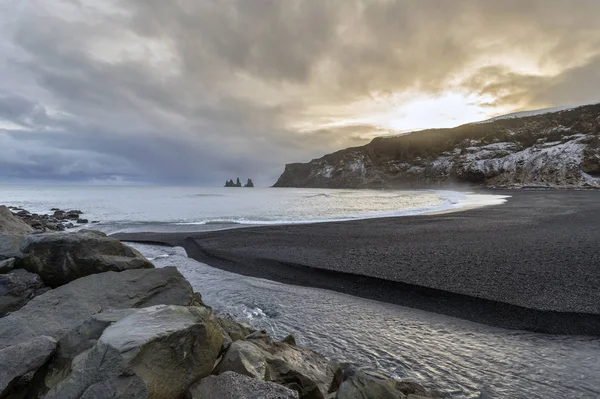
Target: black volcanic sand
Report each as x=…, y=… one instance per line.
x=532, y=263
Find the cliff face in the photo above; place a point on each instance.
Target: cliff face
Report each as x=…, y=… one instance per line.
x=551, y=149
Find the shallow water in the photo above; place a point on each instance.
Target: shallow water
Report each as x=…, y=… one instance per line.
x=458, y=358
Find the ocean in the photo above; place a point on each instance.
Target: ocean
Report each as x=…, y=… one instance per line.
x=131, y=209
x=457, y=358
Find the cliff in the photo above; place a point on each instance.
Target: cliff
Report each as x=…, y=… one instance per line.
x=547, y=148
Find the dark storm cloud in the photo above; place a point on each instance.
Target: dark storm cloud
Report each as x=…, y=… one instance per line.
x=199, y=91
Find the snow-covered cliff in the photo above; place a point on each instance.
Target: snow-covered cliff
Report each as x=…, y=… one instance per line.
x=555, y=148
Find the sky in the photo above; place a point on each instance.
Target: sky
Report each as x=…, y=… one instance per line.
x=194, y=92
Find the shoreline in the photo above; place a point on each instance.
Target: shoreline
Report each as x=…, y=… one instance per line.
x=474, y=264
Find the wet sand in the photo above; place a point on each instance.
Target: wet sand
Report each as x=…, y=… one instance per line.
x=532, y=263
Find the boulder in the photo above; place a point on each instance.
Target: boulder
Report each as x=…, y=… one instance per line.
x=11, y=224
x=352, y=383
x=156, y=352
x=63, y=257
x=10, y=245
x=20, y=359
x=358, y=387
x=7, y=265
x=280, y=372
x=300, y=369
x=17, y=288
x=235, y=330
x=244, y=357
x=58, y=311
x=231, y=385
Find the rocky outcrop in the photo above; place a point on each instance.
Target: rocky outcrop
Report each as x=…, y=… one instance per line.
x=157, y=352
x=63, y=257
x=554, y=149
x=298, y=368
x=58, y=311
x=10, y=224
x=10, y=246
x=238, y=183
x=59, y=220
x=145, y=334
x=17, y=288
x=231, y=385
x=23, y=358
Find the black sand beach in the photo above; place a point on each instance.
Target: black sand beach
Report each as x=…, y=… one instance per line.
x=532, y=263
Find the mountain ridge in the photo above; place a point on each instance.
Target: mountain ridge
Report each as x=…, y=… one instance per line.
x=558, y=148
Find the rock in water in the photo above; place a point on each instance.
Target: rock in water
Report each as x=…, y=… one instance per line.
x=10, y=224
x=231, y=385
x=156, y=352
x=20, y=359
x=63, y=257
x=58, y=311
x=17, y=288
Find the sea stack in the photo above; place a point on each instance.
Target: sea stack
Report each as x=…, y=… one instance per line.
x=238, y=183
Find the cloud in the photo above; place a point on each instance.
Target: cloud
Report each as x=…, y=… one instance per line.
x=194, y=92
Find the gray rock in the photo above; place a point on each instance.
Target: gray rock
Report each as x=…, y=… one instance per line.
x=63, y=257
x=156, y=352
x=11, y=224
x=20, y=359
x=244, y=357
x=74, y=343
x=10, y=245
x=7, y=265
x=235, y=330
x=362, y=387
x=231, y=385
x=298, y=368
x=60, y=310
x=17, y=288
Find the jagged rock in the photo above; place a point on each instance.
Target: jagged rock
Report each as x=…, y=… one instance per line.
x=58, y=311
x=300, y=368
x=10, y=245
x=157, y=352
x=249, y=183
x=20, y=359
x=280, y=372
x=553, y=149
x=17, y=288
x=82, y=221
x=235, y=330
x=359, y=385
x=244, y=357
x=63, y=257
x=10, y=224
x=412, y=388
x=232, y=385
x=289, y=339
x=238, y=183
x=7, y=265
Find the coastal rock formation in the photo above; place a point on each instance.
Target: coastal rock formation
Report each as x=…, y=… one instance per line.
x=10, y=246
x=551, y=149
x=238, y=183
x=231, y=385
x=59, y=310
x=63, y=257
x=23, y=358
x=156, y=352
x=17, y=288
x=10, y=224
x=144, y=334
